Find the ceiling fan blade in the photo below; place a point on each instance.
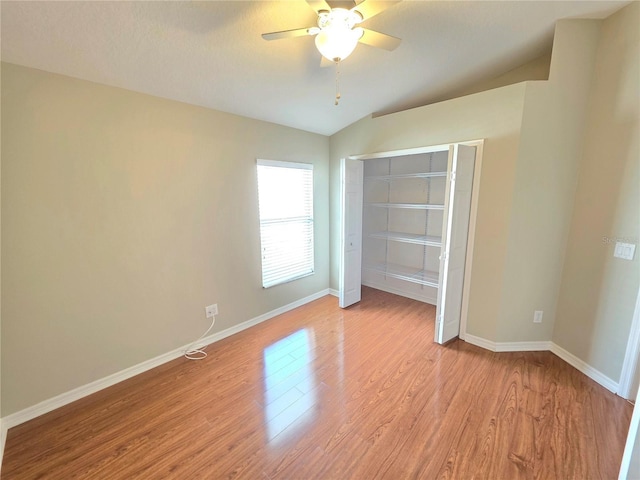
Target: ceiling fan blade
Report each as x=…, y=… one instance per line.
x=379, y=40
x=369, y=8
x=319, y=5
x=298, y=32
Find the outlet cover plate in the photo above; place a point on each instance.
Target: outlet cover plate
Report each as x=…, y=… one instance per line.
x=624, y=250
x=211, y=310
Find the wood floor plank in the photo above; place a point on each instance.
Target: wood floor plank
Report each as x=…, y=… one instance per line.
x=327, y=393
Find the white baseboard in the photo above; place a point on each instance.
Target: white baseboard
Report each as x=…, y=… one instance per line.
x=334, y=292
x=542, y=346
x=571, y=359
x=480, y=342
x=585, y=368
x=58, y=401
x=3, y=440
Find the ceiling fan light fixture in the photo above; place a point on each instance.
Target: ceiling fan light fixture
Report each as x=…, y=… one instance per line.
x=338, y=37
x=336, y=44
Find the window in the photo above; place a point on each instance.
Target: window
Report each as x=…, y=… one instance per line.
x=285, y=196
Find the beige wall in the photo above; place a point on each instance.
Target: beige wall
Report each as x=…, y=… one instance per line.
x=123, y=216
x=495, y=116
x=598, y=292
x=551, y=144
x=536, y=69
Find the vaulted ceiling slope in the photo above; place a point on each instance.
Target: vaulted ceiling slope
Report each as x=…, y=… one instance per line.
x=212, y=54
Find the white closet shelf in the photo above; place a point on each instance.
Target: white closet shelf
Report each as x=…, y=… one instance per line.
x=388, y=178
x=415, y=275
x=430, y=240
x=414, y=206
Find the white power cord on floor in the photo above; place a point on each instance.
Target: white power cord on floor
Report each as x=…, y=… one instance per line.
x=197, y=353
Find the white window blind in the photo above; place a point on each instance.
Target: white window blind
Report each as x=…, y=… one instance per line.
x=285, y=196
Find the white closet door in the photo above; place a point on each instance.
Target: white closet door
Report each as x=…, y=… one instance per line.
x=454, y=240
x=351, y=196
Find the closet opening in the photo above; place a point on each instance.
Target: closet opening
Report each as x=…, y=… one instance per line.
x=407, y=227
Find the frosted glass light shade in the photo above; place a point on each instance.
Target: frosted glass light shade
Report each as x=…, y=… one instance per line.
x=337, y=43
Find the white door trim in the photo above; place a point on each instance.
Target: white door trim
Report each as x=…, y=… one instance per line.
x=630, y=445
x=414, y=151
x=632, y=355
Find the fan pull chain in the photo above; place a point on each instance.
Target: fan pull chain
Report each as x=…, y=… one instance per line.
x=337, y=82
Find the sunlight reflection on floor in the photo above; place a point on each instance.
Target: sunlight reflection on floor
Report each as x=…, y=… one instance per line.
x=289, y=381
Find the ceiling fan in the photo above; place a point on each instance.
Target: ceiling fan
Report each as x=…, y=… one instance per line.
x=338, y=33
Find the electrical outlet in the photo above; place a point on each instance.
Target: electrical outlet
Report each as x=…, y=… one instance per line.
x=211, y=310
x=537, y=316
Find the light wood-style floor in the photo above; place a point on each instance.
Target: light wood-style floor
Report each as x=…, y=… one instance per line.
x=325, y=393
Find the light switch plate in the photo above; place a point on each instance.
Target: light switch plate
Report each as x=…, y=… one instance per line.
x=537, y=316
x=624, y=250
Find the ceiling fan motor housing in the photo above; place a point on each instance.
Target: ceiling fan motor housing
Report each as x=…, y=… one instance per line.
x=338, y=18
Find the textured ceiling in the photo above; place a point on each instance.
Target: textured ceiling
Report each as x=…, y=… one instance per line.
x=211, y=53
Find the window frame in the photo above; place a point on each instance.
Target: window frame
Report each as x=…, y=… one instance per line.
x=308, y=198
